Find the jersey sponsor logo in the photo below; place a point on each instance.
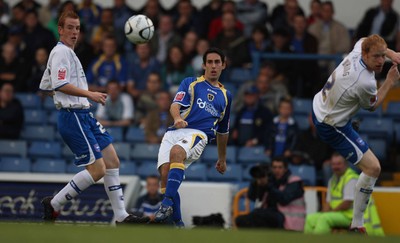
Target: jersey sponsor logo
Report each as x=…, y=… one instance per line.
x=180, y=95
x=62, y=73
x=207, y=107
x=210, y=97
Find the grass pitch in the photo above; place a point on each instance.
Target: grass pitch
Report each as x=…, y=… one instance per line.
x=59, y=233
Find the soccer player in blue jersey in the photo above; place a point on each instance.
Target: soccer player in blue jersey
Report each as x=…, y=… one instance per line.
x=201, y=110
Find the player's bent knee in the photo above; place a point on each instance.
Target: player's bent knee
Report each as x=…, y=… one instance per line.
x=97, y=170
x=177, y=154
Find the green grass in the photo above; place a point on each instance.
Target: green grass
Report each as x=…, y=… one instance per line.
x=59, y=233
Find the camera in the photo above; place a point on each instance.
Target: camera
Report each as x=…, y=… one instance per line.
x=259, y=171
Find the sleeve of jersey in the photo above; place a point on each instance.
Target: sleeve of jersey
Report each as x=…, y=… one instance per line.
x=60, y=69
x=182, y=96
x=368, y=93
x=223, y=125
x=357, y=46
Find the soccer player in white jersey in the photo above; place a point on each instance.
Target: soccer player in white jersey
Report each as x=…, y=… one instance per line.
x=201, y=110
x=350, y=87
x=65, y=79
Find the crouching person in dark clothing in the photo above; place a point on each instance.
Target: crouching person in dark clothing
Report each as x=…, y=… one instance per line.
x=279, y=198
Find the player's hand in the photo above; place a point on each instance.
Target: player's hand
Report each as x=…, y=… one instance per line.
x=180, y=123
x=393, y=74
x=395, y=58
x=220, y=166
x=98, y=97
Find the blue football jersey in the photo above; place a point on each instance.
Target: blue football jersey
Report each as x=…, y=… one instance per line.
x=204, y=106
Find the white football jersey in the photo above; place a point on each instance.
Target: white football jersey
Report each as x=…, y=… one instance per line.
x=349, y=87
x=64, y=67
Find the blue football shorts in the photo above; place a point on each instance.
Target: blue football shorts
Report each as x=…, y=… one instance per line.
x=83, y=134
x=345, y=140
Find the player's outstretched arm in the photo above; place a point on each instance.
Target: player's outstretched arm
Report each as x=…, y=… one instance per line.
x=176, y=115
x=393, y=56
x=392, y=79
x=75, y=91
x=222, y=142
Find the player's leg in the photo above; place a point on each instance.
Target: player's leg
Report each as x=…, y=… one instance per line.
x=370, y=168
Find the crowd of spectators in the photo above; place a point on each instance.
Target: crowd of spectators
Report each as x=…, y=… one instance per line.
x=146, y=75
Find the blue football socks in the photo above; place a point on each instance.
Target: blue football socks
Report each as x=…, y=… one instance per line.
x=175, y=177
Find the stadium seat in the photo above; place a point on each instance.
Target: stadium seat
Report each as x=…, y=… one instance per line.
x=146, y=169
x=362, y=113
x=302, y=121
x=71, y=168
x=196, y=172
x=52, y=118
x=127, y=168
x=15, y=164
x=48, y=104
x=35, y=116
x=143, y=151
x=252, y=155
x=302, y=106
x=393, y=110
x=379, y=147
x=44, y=165
x=135, y=135
x=13, y=148
x=67, y=153
x=38, y=132
x=306, y=172
x=29, y=100
x=44, y=149
x=117, y=133
x=233, y=173
x=240, y=75
x=380, y=128
x=123, y=150
x=210, y=154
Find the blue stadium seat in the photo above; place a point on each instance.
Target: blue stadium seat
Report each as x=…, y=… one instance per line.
x=35, y=116
x=377, y=127
x=210, y=154
x=146, y=169
x=252, y=155
x=302, y=106
x=302, y=121
x=15, y=164
x=44, y=149
x=233, y=173
x=143, y=151
x=44, y=165
x=52, y=118
x=123, y=150
x=135, y=135
x=240, y=75
x=117, y=133
x=66, y=153
x=29, y=100
x=48, y=104
x=379, y=147
x=73, y=169
x=127, y=168
x=393, y=110
x=38, y=132
x=362, y=113
x=13, y=148
x=306, y=172
x=196, y=172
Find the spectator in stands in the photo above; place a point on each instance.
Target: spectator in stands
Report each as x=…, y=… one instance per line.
x=4, y=12
x=382, y=20
x=148, y=204
x=259, y=40
x=307, y=71
x=118, y=109
x=17, y=16
x=175, y=69
x=147, y=99
x=11, y=113
x=37, y=70
x=251, y=13
x=197, y=61
x=158, y=120
x=284, y=132
x=185, y=19
x=315, y=12
x=52, y=24
x=84, y=50
x=253, y=122
x=110, y=65
x=333, y=37
x=90, y=14
x=215, y=26
x=121, y=13
x=212, y=10
x=153, y=9
x=10, y=68
x=283, y=15
x=189, y=43
x=279, y=198
x=164, y=38
x=319, y=152
x=140, y=68
x=105, y=28
x=36, y=36
x=232, y=42
x=338, y=209
x=49, y=12
x=277, y=82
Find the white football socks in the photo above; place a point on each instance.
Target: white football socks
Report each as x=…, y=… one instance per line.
x=364, y=188
x=114, y=192
x=78, y=184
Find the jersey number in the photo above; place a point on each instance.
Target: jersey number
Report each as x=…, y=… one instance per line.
x=328, y=85
x=101, y=128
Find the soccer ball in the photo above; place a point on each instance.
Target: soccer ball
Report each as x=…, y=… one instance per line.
x=139, y=29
